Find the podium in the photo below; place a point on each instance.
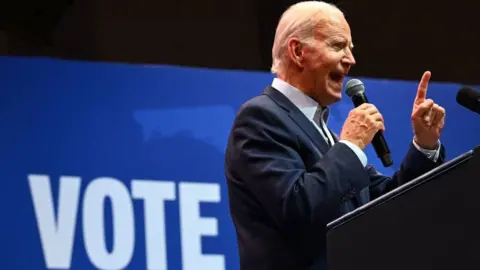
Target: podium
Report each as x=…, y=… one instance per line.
x=432, y=222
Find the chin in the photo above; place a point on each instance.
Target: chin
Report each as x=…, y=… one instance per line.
x=330, y=95
x=329, y=100
x=338, y=96
x=334, y=91
x=335, y=96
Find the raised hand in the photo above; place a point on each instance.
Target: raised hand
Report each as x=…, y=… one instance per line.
x=428, y=118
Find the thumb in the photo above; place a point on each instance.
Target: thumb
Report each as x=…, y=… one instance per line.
x=422, y=111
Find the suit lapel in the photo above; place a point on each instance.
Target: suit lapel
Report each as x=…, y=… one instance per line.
x=308, y=127
x=299, y=118
x=334, y=136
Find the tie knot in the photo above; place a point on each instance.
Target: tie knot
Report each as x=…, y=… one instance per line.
x=321, y=114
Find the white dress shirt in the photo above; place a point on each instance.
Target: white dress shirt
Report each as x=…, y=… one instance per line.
x=319, y=117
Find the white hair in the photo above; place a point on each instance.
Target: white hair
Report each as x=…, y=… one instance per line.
x=299, y=20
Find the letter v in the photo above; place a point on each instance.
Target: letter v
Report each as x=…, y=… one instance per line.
x=56, y=234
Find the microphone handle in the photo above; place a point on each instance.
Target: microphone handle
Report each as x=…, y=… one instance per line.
x=379, y=143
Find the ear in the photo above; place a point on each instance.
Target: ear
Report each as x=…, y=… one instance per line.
x=296, y=51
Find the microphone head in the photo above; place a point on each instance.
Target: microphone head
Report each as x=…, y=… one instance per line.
x=469, y=98
x=353, y=87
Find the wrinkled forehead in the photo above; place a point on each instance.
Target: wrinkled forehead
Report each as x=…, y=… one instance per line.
x=334, y=26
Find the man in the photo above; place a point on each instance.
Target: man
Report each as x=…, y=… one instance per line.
x=287, y=174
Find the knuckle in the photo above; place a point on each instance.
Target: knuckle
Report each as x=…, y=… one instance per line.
x=441, y=109
x=367, y=105
x=369, y=120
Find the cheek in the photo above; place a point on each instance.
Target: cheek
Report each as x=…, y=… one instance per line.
x=332, y=59
x=322, y=67
x=317, y=63
x=313, y=59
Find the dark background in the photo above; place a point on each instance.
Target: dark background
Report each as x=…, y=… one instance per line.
x=393, y=39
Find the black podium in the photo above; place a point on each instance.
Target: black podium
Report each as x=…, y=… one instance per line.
x=432, y=222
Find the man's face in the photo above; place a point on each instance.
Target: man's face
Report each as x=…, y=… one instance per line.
x=329, y=60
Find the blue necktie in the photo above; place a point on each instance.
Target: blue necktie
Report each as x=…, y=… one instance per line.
x=318, y=120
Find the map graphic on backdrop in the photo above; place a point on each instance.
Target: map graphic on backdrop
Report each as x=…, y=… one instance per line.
x=195, y=122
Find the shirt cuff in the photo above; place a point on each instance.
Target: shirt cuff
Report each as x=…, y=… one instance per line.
x=359, y=152
x=431, y=154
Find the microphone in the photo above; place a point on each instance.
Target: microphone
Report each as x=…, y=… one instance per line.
x=469, y=98
x=356, y=91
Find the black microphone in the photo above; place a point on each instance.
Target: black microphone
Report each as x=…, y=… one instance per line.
x=469, y=98
x=356, y=91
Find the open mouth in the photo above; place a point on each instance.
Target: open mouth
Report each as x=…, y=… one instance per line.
x=336, y=76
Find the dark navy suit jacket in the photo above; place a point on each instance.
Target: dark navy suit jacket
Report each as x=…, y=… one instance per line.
x=285, y=184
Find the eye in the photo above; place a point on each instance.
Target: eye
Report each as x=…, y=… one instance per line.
x=339, y=45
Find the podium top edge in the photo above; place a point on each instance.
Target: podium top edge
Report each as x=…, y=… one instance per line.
x=403, y=188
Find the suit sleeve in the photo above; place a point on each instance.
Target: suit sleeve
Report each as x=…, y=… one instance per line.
x=265, y=156
x=414, y=165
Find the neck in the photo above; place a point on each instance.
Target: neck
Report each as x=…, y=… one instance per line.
x=299, y=81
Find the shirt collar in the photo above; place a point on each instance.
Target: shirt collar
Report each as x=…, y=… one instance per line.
x=309, y=107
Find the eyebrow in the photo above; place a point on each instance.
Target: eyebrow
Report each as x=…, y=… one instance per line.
x=342, y=39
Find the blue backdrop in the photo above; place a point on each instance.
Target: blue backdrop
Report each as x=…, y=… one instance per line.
x=109, y=166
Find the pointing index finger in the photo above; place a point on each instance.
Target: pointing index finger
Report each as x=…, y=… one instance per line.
x=422, y=88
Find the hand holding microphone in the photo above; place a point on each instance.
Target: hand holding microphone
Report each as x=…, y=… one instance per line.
x=364, y=124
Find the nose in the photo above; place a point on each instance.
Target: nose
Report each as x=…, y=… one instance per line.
x=349, y=59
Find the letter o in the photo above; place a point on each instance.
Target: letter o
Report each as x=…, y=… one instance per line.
x=123, y=223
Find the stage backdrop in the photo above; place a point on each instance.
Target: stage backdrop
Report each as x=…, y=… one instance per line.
x=109, y=166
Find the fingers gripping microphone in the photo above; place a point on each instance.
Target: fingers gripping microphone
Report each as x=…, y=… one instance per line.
x=356, y=91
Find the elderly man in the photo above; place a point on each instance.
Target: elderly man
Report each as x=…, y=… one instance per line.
x=288, y=175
